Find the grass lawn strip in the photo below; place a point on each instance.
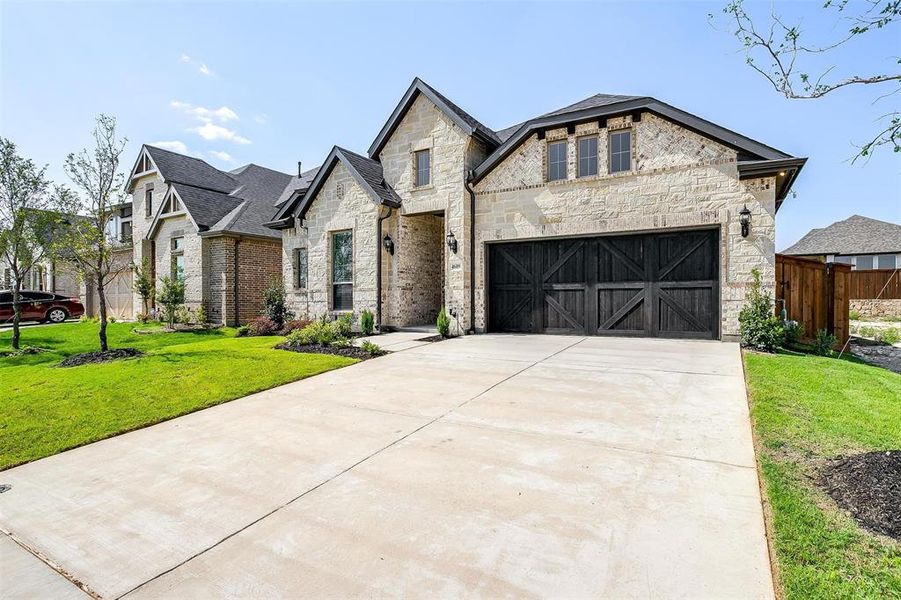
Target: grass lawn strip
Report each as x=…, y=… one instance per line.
x=806, y=412
x=45, y=409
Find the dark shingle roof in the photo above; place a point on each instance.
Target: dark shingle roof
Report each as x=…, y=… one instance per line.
x=296, y=184
x=366, y=171
x=206, y=207
x=854, y=235
x=596, y=101
x=178, y=168
x=469, y=119
x=239, y=201
x=371, y=171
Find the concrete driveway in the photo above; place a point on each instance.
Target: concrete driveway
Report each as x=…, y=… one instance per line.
x=514, y=466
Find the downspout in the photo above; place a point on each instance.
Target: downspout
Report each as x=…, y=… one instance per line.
x=472, y=251
x=378, y=265
x=235, y=284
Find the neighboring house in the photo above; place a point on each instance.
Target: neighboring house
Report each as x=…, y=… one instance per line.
x=205, y=225
x=59, y=277
x=615, y=215
x=861, y=242
x=119, y=291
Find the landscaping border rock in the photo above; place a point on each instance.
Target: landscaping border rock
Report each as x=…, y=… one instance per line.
x=100, y=357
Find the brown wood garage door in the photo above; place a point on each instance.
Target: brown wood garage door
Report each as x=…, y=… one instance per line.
x=660, y=285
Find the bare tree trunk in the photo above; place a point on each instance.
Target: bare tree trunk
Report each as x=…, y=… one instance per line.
x=101, y=294
x=17, y=312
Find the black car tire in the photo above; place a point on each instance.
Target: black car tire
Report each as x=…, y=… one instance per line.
x=57, y=315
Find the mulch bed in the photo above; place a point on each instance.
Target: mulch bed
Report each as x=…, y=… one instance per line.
x=348, y=351
x=869, y=487
x=100, y=357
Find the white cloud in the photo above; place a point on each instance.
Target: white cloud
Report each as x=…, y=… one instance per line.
x=174, y=146
x=261, y=118
x=211, y=132
x=221, y=155
x=205, y=115
x=201, y=66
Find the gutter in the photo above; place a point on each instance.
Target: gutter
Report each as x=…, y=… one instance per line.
x=378, y=266
x=470, y=175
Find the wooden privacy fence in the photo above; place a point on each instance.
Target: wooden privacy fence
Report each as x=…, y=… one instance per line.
x=866, y=284
x=815, y=294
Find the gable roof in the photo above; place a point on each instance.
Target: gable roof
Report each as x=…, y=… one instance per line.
x=469, y=124
x=366, y=172
x=761, y=159
x=855, y=235
x=296, y=184
x=178, y=168
x=236, y=202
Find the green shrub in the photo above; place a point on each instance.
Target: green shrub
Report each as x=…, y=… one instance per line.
x=367, y=322
x=370, y=348
x=889, y=336
x=320, y=331
x=275, y=303
x=854, y=315
x=242, y=331
x=443, y=323
x=171, y=296
x=200, y=315
x=344, y=325
x=759, y=327
x=183, y=315
x=792, y=331
x=823, y=343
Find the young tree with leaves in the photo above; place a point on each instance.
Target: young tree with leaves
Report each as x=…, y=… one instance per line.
x=799, y=68
x=144, y=284
x=99, y=190
x=29, y=212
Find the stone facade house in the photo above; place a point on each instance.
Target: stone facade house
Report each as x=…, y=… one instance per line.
x=206, y=225
x=616, y=215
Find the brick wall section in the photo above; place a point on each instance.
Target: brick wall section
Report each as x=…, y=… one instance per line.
x=679, y=179
x=220, y=305
x=416, y=270
x=259, y=264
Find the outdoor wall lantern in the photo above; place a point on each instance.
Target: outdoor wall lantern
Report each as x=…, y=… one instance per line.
x=452, y=242
x=744, y=217
x=388, y=243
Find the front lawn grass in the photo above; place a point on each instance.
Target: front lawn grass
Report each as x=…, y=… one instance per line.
x=807, y=410
x=45, y=409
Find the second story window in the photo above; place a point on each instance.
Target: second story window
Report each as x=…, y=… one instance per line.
x=620, y=151
x=556, y=160
x=423, y=163
x=148, y=200
x=588, y=156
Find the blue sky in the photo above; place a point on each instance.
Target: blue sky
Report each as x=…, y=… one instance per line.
x=274, y=83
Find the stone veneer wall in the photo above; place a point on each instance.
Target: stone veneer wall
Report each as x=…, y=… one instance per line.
x=876, y=308
x=452, y=154
x=679, y=180
x=341, y=204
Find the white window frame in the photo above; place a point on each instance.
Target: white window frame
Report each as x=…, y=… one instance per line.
x=579, y=140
